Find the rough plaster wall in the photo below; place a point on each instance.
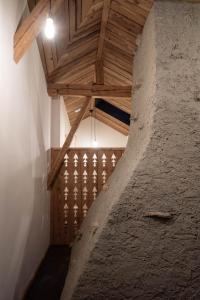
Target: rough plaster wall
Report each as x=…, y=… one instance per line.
x=24, y=140
x=122, y=254
x=98, y=216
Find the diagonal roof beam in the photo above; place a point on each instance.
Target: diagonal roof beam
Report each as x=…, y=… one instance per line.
x=99, y=62
x=60, y=157
x=31, y=26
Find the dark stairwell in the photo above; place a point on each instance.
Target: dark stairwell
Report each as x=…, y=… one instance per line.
x=50, y=278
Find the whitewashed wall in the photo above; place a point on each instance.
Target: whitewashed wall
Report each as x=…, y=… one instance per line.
x=24, y=140
x=105, y=135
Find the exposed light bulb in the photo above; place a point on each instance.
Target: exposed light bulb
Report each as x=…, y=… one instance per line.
x=49, y=28
x=95, y=143
x=77, y=110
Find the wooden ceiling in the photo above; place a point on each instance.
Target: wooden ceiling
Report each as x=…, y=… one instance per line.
x=95, y=43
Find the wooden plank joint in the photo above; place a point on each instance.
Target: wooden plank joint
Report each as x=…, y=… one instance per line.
x=94, y=90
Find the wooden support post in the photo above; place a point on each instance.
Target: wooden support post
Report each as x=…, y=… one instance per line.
x=60, y=158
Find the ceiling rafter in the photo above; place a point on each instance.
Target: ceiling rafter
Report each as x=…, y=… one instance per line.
x=31, y=27
x=104, y=22
x=96, y=42
x=92, y=90
x=73, y=66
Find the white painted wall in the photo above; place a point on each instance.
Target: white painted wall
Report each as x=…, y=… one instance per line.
x=24, y=140
x=64, y=122
x=55, y=123
x=60, y=125
x=84, y=136
x=105, y=135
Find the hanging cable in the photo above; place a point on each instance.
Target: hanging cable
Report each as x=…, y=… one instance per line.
x=95, y=137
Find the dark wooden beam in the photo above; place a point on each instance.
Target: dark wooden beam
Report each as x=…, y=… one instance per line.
x=89, y=90
x=60, y=157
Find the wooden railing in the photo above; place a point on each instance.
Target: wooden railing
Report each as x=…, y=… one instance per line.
x=81, y=178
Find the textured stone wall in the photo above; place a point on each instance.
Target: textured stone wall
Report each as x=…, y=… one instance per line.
x=141, y=237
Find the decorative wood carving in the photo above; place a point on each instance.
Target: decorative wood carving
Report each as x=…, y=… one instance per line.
x=81, y=178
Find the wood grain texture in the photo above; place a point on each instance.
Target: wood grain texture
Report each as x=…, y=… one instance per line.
x=93, y=90
x=111, y=121
x=82, y=177
x=95, y=44
x=104, y=22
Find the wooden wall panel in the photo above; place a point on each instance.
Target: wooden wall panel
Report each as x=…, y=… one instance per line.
x=80, y=180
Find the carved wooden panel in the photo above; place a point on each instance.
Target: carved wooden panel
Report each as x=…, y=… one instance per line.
x=80, y=180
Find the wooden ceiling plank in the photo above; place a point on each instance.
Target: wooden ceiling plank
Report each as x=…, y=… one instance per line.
x=86, y=77
x=123, y=44
x=135, y=7
x=60, y=157
x=79, y=48
x=117, y=78
x=120, y=31
x=119, y=51
x=87, y=31
x=144, y=4
x=79, y=72
x=129, y=25
x=31, y=27
x=119, y=71
x=120, y=62
x=130, y=11
x=99, y=72
x=63, y=70
x=72, y=104
x=116, y=44
x=89, y=10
